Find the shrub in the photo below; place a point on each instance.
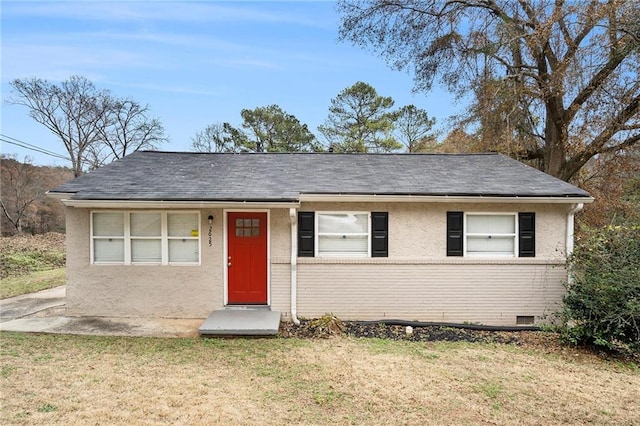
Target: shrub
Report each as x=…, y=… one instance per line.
x=602, y=304
x=327, y=325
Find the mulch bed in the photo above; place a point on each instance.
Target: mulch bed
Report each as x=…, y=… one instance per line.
x=433, y=333
x=545, y=341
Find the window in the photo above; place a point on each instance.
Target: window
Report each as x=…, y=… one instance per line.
x=487, y=234
x=490, y=234
x=184, y=237
x=108, y=237
x=342, y=234
x=145, y=237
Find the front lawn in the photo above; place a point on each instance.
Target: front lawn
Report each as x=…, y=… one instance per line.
x=55, y=379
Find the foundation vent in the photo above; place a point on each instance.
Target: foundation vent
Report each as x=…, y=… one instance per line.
x=524, y=320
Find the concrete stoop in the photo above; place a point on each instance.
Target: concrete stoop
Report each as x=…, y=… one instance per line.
x=241, y=322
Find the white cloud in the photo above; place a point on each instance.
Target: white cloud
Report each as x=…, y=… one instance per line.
x=185, y=11
x=58, y=62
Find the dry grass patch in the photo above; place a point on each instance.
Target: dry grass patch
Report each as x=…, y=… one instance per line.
x=79, y=379
x=36, y=281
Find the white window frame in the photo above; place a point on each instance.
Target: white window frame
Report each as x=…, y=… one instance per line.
x=490, y=234
x=164, y=237
x=318, y=234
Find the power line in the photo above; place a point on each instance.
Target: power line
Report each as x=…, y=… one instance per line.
x=26, y=145
x=29, y=146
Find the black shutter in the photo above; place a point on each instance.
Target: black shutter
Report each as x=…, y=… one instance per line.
x=306, y=223
x=379, y=234
x=527, y=234
x=455, y=233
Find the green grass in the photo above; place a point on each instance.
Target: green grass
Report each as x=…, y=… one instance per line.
x=25, y=262
x=29, y=283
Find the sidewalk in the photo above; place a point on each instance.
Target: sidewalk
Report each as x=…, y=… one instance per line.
x=43, y=312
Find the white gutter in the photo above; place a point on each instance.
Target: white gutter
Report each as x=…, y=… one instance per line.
x=438, y=199
x=570, y=226
x=294, y=265
x=125, y=204
x=59, y=195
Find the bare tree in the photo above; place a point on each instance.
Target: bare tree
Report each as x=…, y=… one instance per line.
x=21, y=187
x=566, y=72
x=215, y=137
x=130, y=129
x=75, y=111
x=94, y=126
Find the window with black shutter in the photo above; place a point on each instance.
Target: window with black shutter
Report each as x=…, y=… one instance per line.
x=455, y=233
x=527, y=234
x=306, y=243
x=379, y=234
x=341, y=234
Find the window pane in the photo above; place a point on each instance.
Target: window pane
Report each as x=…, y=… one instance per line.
x=491, y=224
x=328, y=244
x=182, y=225
x=183, y=251
x=145, y=224
x=108, y=224
x=504, y=245
x=108, y=250
x=340, y=222
x=146, y=251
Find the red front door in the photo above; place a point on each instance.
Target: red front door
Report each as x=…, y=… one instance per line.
x=247, y=258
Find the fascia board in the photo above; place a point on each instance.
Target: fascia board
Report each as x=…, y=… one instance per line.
x=439, y=199
x=59, y=195
x=126, y=204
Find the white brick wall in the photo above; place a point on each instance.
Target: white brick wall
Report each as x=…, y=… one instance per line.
x=458, y=292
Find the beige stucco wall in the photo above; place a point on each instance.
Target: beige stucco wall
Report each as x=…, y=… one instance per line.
x=416, y=282
x=142, y=291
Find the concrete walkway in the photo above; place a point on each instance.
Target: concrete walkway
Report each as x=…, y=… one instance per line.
x=43, y=312
x=31, y=304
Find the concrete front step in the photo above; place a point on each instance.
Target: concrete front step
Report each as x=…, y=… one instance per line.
x=241, y=322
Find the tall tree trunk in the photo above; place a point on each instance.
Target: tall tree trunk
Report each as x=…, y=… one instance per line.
x=554, y=150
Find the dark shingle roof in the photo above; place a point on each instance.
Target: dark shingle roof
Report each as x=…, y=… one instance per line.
x=175, y=176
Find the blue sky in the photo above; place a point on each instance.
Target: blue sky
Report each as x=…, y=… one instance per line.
x=193, y=62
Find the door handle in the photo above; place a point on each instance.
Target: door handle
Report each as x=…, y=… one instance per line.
x=229, y=264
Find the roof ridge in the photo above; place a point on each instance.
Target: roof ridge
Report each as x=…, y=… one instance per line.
x=408, y=154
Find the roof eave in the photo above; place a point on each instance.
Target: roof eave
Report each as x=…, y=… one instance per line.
x=59, y=195
x=177, y=204
x=385, y=198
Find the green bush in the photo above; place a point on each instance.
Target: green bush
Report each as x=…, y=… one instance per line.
x=602, y=304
